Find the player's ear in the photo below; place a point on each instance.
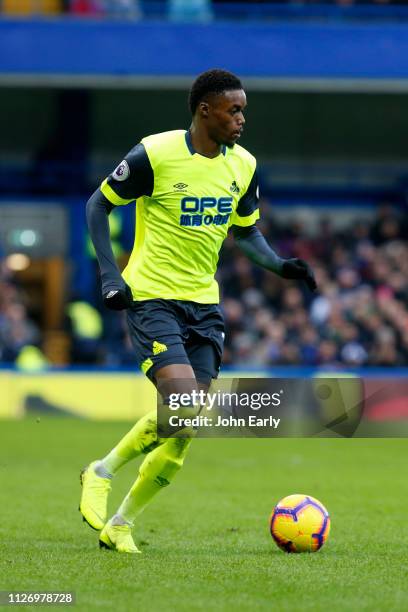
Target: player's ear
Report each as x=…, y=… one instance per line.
x=204, y=108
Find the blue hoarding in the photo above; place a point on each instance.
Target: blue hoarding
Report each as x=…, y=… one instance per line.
x=263, y=50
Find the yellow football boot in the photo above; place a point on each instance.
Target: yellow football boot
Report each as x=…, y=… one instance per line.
x=117, y=537
x=94, y=499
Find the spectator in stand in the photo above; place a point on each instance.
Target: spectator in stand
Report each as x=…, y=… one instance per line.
x=16, y=329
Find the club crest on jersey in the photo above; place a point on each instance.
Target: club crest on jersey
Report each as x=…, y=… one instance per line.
x=122, y=172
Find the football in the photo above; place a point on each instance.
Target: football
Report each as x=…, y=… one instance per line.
x=299, y=523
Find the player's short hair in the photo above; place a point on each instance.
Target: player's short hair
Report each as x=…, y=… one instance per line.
x=214, y=81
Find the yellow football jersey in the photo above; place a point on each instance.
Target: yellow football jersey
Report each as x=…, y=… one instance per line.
x=185, y=203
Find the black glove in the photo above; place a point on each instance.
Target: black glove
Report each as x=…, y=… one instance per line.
x=298, y=268
x=118, y=299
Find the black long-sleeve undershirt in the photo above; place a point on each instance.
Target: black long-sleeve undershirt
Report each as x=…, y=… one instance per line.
x=98, y=209
x=252, y=242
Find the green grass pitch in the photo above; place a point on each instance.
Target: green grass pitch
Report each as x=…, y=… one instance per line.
x=205, y=539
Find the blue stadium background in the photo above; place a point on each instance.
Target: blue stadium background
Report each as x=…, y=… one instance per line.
x=81, y=82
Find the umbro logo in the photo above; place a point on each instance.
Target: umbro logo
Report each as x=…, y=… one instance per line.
x=180, y=186
x=234, y=187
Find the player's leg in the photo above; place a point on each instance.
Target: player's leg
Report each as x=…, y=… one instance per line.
x=155, y=331
x=203, y=351
x=96, y=477
x=162, y=464
x=157, y=470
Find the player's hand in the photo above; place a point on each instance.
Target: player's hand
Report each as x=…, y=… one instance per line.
x=118, y=299
x=299, y=269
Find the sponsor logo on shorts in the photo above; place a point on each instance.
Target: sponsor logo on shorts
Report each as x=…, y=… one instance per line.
x=158, y=348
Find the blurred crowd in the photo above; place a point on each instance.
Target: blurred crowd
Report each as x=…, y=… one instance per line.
x=111, y=8
x=358, y=317
x=177, y=9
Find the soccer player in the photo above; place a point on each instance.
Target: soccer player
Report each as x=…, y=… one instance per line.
x=190, y=187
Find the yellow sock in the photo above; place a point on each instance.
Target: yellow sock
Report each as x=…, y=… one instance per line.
x=142, y=438
x=155, y=473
